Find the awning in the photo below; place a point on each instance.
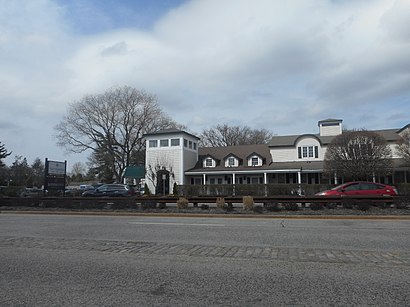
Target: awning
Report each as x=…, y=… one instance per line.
x=134, y=172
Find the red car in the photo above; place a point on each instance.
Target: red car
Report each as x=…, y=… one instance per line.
x=361, y=188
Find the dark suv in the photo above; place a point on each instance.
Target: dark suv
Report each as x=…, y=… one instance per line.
x=110, y=190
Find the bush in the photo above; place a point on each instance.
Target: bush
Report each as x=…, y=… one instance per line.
x=348, y=203
x=402, y=202
x=162, y=206
x=291, y=206
x=363, y=206
x=182, y=203
x=148, y=205
x=258, y=209
x=146, y=190
x=273, y=207
x=316, y=206
x=204, y=207
x=331, y=205
x=175, y=189
x=248, y=202
x=220, y=203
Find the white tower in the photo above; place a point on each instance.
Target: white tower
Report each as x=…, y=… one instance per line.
x=169, y=153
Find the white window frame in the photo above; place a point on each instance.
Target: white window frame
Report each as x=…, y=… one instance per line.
x=255, y=159
x=175, y=142
x=163, y=142
x=231, y=162
x=209, y=162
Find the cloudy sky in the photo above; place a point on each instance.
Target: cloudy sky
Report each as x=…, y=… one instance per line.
x=273, y=64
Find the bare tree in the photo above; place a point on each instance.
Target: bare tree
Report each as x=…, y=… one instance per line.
x=225, y=135
x=155, y=170
x=114, y=123
x=358, y=155
x=403, y=148
x=78, y=172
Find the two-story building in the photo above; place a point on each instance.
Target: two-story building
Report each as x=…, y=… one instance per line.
x=286, y=159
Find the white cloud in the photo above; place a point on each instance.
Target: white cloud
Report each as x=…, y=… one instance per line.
x=279, y=65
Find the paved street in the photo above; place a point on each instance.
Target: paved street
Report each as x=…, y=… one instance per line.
x=88, y=260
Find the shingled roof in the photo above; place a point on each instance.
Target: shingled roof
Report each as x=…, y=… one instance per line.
x=391, y=135
x=242, y=152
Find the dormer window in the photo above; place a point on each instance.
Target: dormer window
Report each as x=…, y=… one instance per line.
x=231, y=161
x=208, y=162
x=255, y=161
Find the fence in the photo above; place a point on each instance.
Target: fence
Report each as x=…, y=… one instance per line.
x=251, y=189
x=115, y=203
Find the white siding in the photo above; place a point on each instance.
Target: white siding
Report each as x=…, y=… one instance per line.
x=290, y=154
x=284, y=154
x=330, y=130
x=176, y=159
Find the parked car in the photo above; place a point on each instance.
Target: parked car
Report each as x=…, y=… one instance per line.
x=110, y=190
x=31, y=192
x=361, y=188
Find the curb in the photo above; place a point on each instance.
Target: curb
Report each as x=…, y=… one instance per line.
x=199, y=215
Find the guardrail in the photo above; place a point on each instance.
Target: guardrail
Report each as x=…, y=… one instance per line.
x=152, y=201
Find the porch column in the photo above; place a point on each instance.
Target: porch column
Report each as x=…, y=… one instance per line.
x=300, y=181
x=265, y=181
x=204, y=179
x=233, y=184
x=335, y=178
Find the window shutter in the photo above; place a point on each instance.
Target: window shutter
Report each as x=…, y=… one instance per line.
x=316, y=152
x=300, y=152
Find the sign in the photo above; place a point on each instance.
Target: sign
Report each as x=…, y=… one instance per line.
x=56, y=168
x=55, y=175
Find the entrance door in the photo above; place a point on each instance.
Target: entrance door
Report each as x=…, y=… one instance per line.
x=162, y=187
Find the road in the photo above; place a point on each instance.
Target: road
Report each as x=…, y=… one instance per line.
x=53, y=260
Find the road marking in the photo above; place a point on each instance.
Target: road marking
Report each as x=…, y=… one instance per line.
x=176, y=224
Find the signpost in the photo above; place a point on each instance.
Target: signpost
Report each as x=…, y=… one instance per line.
x=55, y=176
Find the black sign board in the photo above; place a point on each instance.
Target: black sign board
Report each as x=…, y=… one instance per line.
x=55, y=175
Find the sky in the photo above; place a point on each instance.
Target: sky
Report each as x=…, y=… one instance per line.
x=271, y=64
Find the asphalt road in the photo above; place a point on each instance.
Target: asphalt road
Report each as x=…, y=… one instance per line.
x=50, y=260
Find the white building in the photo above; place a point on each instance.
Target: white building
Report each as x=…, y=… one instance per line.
x=286, y=159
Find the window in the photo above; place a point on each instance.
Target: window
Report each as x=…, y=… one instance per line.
x=174, y=142
x=231, y=161
x=194, y=146
x=219, y=180
x=308, y=152
x=255, y=161
x=164, y=143
x=185, y=143
x=208, y=162
x=153, y=143
x=190, y=144
x=353, y=187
